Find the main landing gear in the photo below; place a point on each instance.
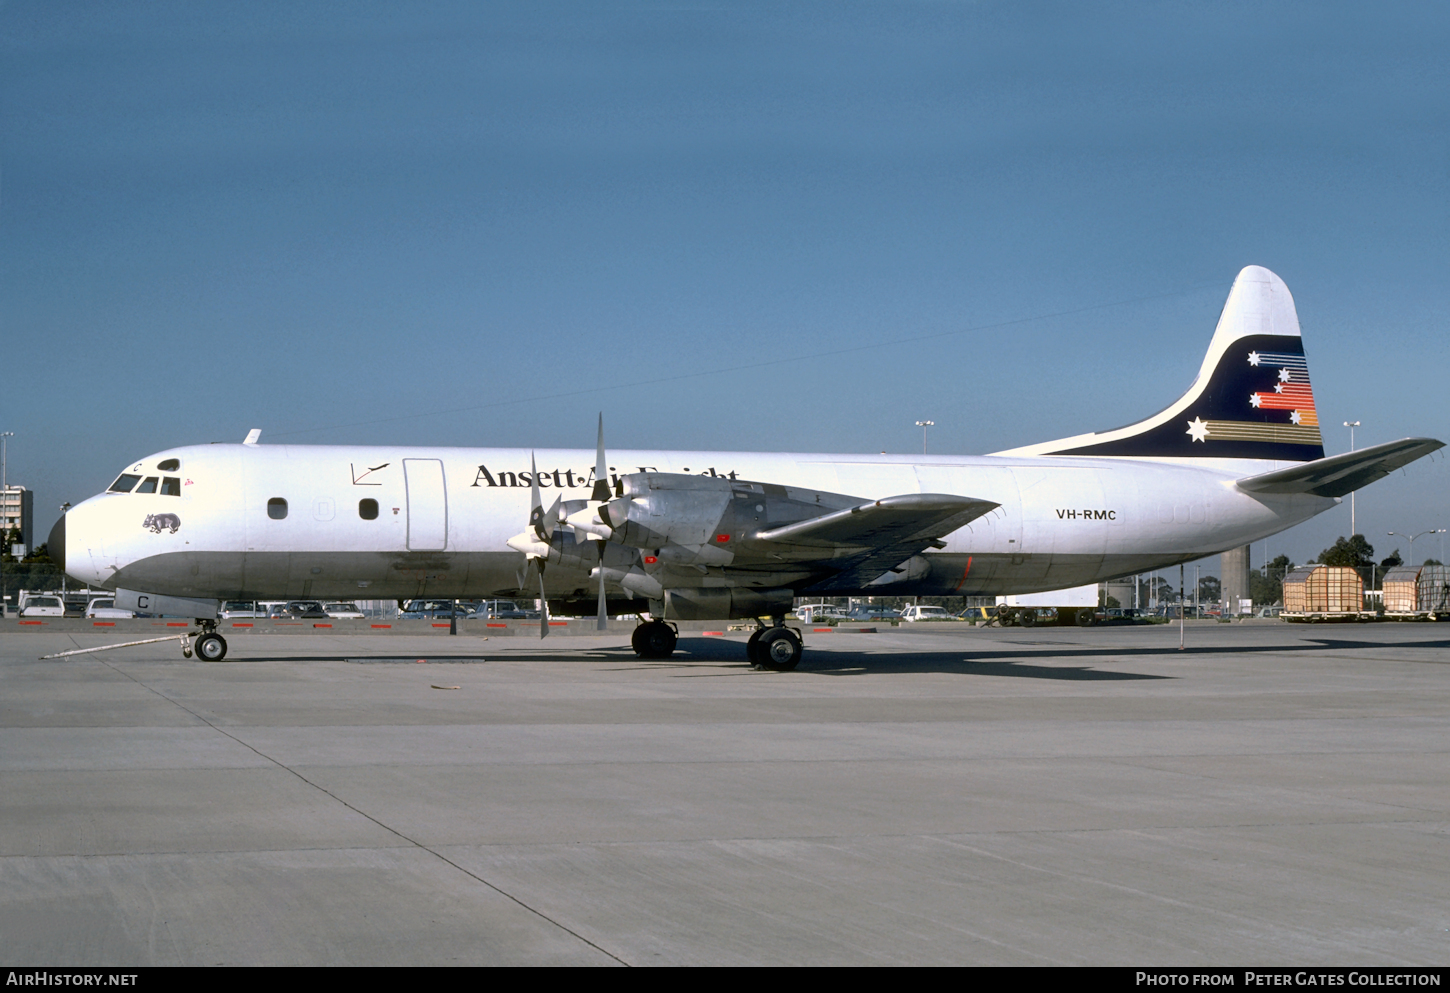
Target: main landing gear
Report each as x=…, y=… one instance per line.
x=654, y=640
x=776, y=647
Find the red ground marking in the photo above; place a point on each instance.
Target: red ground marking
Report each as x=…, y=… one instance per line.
x=32, y=622
x=382, y=625
x=719, y=634
x=820, y=630
x=440, y=625
x=177, y=624
x=558, y=624
x=242, y=624
x=492, y=625
x=103, y=624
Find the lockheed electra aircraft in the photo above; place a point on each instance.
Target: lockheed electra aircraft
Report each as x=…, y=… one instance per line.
x=716, y=535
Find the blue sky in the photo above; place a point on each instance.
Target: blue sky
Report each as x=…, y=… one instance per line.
x=725, y=226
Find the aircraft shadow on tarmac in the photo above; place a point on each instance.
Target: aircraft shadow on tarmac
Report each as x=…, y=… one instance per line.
x=707, y=656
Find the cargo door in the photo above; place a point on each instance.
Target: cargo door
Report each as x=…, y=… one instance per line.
x=427, y=499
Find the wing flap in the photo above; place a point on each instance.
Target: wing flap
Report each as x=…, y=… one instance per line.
x=910, y=519
x=1341, y=474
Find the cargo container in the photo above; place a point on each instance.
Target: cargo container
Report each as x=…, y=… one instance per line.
x=1417, y=593
x=1325, y=593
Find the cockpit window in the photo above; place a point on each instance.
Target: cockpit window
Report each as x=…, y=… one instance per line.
x=170, y=486
x=123, y=483
x=169, y=465
x=148, y=485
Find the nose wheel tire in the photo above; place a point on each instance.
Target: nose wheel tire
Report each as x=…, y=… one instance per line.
x=211, y=648
x=778, y=649
x=655, y=640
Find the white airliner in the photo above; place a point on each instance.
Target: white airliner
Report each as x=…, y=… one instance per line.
x=714, y=535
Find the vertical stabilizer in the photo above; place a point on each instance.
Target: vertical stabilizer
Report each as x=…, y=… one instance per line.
x=1251, y=400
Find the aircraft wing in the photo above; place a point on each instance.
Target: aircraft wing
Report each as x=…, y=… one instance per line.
x=1341, y=474
x=862, y=542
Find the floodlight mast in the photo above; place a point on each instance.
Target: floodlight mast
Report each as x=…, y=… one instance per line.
x=924, y=425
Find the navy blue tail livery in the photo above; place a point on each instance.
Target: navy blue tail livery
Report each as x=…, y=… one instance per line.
x=1252, y=398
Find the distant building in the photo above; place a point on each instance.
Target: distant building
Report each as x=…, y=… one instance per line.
x=17, y=511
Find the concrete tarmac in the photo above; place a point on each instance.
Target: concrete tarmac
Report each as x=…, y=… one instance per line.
x=937, y=794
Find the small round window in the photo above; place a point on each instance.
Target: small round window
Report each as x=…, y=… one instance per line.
x=170, y=465
x=276, y=508
x=367, y=509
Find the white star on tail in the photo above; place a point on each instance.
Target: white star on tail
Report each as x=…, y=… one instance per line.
x=1294, y=416
x=1198, y=429
x=1253, y=358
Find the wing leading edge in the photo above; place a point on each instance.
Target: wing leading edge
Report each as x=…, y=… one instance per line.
x=1340, y=474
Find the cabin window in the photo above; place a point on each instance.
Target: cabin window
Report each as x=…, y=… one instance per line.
x=367, y=509
x=277, y=508
x=170, y=486
x=148, y=485
x=124, y=483
x=169, y=465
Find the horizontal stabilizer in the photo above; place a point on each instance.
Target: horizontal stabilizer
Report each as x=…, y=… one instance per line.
x=910, y=518
x=1341, y=474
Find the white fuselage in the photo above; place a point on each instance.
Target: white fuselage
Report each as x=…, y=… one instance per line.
x=443, y=516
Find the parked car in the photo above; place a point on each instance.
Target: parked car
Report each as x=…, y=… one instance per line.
x=815, y=613
x=495, y=608
x=927, y=613
x=978, y=614
x=427, y=609
x=342, y=610
x=243, y=608
x=104, y=607
x=303, y=610
x=874, y=614
x=42, y=606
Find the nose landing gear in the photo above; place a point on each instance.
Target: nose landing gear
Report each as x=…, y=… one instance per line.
x=209, y=646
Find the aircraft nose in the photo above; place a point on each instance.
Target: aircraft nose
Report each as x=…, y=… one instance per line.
x=55, y=544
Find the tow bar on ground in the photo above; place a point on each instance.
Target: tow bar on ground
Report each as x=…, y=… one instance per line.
x=185, y=640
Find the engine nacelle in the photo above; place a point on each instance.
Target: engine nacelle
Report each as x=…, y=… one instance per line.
x=706, y=516
x=721, y=603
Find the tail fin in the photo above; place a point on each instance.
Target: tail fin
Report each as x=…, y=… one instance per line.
x=1251, y=400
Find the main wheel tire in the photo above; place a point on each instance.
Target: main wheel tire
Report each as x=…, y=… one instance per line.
x=211, y=648
x=1027, y=617
x=655, y=640
x=752, y=647
x=779, y=649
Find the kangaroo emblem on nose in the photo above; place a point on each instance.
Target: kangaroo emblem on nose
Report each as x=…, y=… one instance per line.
x=158, y=521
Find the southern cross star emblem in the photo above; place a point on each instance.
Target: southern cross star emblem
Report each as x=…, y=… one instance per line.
x=1198, y=429
x=1253, y=358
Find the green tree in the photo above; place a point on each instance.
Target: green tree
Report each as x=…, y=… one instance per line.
x=1209, y=589
x=1353, y=552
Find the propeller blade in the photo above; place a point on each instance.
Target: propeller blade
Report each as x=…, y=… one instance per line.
x=536, y=502
x=601, y=491
x=603, y=622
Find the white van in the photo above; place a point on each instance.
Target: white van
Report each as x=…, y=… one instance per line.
x=927, y=613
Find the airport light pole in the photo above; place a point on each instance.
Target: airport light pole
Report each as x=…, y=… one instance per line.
x=924, y=425
x=5, y=437
x=1351, y=425
x=1410, y=559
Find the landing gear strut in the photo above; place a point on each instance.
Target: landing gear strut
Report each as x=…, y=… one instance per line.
x=654, y=640
x=776, y=647
x=210, y=646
